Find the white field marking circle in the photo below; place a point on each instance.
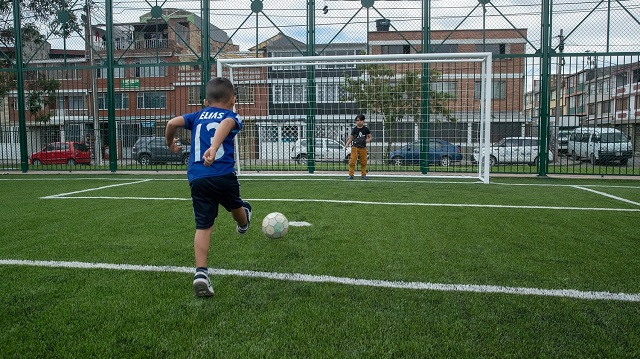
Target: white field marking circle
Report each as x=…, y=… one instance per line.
x=299, y=277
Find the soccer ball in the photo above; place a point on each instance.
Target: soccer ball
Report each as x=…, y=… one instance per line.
x=275, y=225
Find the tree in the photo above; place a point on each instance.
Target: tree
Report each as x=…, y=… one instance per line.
x=379, y=89
x=60, y=20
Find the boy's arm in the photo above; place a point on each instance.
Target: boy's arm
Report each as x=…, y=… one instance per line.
x=170, y=133
x=369, y=138
x=348, y=141
x=222, y=131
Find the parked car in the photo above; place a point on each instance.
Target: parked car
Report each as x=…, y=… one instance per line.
x=600, y=145
x=151, y=150
x=440, y=152
x=326, y=150
x=562, y=140
x=68, y=152
x=513, y=150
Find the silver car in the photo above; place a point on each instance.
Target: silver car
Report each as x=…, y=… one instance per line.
x=513, y=150
x=326, y=150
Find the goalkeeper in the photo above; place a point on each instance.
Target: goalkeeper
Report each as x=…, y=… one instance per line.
x=358, y=139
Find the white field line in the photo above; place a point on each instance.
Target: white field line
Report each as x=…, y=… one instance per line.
x=95, y=189
x=472, y=205
x=607, y=195
x=258, y=177
x=299, y=277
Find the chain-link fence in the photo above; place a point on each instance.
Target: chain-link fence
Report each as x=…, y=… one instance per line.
x=97, y=81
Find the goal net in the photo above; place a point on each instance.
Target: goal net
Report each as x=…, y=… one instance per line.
x=429, y=114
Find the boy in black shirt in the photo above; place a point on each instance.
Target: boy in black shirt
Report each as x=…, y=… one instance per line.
x=360, y=136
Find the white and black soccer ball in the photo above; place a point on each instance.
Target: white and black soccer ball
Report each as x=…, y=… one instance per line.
x=275, y=225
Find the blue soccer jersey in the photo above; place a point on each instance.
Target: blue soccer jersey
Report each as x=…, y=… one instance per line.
x=203, y=126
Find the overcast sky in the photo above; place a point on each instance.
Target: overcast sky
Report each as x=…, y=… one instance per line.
x=584, y=23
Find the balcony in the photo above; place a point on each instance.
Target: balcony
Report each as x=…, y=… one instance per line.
x=71, y=112
x=152, y=44
x=138, y=44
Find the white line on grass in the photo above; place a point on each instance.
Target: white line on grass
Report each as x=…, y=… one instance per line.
x=607, y=195
x=299, y=277
x=95, y=189
x=500, y=206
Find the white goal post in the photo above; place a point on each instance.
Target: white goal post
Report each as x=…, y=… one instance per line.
x=432, y=104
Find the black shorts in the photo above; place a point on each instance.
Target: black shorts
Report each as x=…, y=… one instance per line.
x=209, y=192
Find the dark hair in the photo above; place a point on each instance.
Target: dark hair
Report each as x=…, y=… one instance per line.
x=219, y=90
x=360, y=117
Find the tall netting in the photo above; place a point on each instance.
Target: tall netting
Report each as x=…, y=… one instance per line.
x=108, y=75
x=426, y=113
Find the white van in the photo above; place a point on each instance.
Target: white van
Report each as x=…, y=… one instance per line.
x=600, y=145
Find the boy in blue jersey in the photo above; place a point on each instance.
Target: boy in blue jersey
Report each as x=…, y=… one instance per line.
x=211, y=171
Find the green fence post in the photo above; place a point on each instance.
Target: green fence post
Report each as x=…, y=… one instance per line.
x=22, y=124
x=111, y=112
x=311, y=87
x=425, y=87
x=545, y=101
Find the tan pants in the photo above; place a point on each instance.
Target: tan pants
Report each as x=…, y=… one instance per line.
x=358, y=154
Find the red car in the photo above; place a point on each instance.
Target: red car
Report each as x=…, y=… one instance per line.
x=70, y=153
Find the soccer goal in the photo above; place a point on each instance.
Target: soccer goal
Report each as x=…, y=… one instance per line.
x=429, y=114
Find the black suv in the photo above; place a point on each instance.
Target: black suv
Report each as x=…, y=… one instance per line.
x=150, y=150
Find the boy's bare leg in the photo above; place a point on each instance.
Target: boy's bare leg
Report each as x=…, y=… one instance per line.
x=240, y=216
x=201, y=243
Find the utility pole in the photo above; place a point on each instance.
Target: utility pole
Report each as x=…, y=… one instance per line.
x=97, y=140
x=559, y=83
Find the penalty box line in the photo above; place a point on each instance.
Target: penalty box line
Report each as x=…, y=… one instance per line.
x=305, y=200
x=307, y=278
x=62, y=195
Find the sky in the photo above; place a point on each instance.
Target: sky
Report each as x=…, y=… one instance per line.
x=583, y=22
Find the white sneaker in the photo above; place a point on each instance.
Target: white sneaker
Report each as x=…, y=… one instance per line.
x=247, y=210
x=202, y=286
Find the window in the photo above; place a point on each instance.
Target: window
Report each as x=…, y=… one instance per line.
x=269, y=133
x=499, y=89
x=118, y=72
x=592, y=109
x=496, y=49
x=149, y=71
x=289, y=93
x=621, y=79
x=448, y=87
x=194, y=95
x=622, y=104
x=69, y=72
x=244, y=94
x=397, y=49
x=289, y=133
x=152, y=100
x=76, y=103
x=635, y=76
x=121, y=101
x=444, y=48
x=9, y=134
x=329, y=92
x=605, y=107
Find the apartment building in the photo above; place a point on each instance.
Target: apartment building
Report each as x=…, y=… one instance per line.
x=606, y=96
x=156, y=77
